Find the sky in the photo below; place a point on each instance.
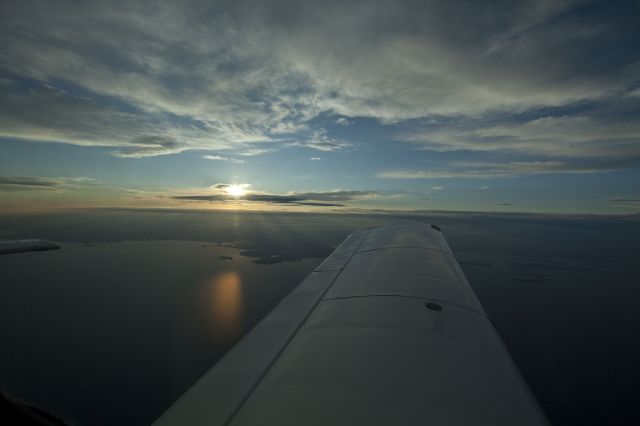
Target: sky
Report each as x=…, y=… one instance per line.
x=528, y=106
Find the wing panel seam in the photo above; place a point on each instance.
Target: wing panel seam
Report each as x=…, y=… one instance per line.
x=235, y=412
x=404, y=247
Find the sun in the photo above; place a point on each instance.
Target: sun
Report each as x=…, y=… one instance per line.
x=236, y=190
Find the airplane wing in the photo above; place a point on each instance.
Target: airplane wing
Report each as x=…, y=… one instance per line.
x=386, y=331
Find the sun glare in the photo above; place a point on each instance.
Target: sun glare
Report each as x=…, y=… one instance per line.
x=235, y=190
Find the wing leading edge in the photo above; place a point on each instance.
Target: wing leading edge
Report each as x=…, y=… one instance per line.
x=386, y=330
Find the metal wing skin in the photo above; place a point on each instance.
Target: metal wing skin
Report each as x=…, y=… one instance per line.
x=386, y=331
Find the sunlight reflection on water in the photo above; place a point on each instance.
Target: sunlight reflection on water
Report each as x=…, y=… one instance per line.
x=224, y=299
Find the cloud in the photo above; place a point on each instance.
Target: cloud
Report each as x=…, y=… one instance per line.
x=337, y=195
x=571, y=136
x=225, y=186
x=316, y=159
x=72, y=82
x=256, y=151
x=210, y=197
x=343, y=121
x=221, y=186
x=235, y=75
x=328, y=198
x=38, y=111
x=221, y=158
x=624, y=200
x=437, y=188
x=28, y=183
x=412, y=62
x=321, y=141
x=462, y=169
x=145, y=146
x=635, y=92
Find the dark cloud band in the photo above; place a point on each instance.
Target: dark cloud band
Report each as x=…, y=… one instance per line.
x=327, y=199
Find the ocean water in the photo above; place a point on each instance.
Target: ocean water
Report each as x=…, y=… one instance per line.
x=138, y=304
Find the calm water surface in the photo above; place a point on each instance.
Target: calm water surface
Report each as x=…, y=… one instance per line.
x=137, y=305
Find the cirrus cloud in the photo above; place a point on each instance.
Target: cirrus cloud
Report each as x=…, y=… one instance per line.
x=242, y=77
